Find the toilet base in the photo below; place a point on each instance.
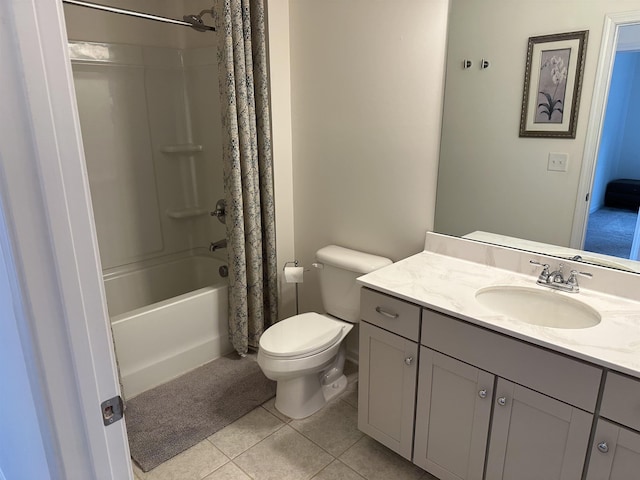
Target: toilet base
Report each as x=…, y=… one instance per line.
x=335, y=388
x=303, y=396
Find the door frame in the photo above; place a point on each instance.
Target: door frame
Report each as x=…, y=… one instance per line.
x=612, y=24
x=53, y=248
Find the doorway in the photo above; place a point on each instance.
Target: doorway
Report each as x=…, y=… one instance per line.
x=615, y=196
x=606, y=208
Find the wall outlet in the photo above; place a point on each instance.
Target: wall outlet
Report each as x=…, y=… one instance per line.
x=558, y=162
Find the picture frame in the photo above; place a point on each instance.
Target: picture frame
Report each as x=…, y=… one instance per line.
x=552, y=85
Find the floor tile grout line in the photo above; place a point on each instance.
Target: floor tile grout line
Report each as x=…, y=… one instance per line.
x=242, y=470
x=333, y=458
x=320, y=446
x=346, y=466
x=214, y=446
x=286, y=422
x=290, y=423
x=231, y=459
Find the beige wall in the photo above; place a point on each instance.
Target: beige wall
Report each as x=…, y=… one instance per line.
x=366, y=92
x=490, y=179
x=280, y=72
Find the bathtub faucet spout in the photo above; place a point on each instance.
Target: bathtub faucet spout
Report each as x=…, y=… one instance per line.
x=217, y=245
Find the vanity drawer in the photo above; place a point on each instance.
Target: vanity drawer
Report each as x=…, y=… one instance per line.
x=550, y=373
x=621, y=400
x=397, y=316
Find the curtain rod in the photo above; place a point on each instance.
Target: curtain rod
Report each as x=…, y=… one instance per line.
x=133, y=13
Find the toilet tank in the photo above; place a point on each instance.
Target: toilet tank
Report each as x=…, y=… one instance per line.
x=340, y=267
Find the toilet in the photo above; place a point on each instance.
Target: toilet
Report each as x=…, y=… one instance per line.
x=305, y=354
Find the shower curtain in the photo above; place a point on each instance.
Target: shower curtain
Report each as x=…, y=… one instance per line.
x=247, y=170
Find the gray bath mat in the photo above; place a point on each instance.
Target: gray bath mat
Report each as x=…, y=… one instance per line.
x=168, y=419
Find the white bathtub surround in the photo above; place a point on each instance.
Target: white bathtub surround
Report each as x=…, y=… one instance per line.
x=151, y=135
x=167, y=319
x=447, y=282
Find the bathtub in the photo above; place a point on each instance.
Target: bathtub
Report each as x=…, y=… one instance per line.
x=167, y=318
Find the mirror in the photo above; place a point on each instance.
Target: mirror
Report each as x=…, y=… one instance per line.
x=490, y=180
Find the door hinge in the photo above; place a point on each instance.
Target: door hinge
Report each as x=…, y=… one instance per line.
x=112, y=410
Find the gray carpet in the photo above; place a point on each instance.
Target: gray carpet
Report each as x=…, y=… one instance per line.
x=610, y=231
x=168, y=419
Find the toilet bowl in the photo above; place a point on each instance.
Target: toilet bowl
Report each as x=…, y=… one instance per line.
x=305, y=354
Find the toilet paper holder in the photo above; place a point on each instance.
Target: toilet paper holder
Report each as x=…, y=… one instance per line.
x=294, y=263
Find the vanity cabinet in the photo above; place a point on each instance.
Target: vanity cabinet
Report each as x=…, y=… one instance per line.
x=468, y=403
x=452, y=417
x=388, y=370
x=615, y=453
x=522, y=433
x=534, y=436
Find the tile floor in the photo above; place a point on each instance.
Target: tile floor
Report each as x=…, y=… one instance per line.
x=264, y=444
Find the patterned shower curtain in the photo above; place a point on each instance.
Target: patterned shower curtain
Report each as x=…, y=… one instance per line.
x=247, y=169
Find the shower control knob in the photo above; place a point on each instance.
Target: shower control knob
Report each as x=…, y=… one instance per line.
x=220, y=211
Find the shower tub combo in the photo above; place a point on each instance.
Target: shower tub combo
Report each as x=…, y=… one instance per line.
x=167, y=318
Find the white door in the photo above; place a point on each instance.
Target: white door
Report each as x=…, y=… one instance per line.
x=53, y=250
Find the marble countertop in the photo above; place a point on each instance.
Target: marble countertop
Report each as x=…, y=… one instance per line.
x=448, y=285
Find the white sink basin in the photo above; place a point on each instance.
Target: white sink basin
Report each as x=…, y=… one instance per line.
x=538, y=307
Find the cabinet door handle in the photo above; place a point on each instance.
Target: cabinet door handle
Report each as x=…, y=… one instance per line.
x=382, y=311
x=408, y=360
x=502, y=401
x=603, y=447
x=483, y=393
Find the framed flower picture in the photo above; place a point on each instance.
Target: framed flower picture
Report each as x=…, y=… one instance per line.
x=552, y=85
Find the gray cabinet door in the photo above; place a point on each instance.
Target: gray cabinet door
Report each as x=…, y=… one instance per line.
x=452, y=417
x=615, y=454
x=386, y=388
x=534, y=436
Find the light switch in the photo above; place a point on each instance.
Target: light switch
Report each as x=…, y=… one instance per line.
x=558, y=162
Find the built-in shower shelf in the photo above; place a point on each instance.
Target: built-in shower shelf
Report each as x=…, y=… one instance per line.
x=181, y=149
x=187, y=213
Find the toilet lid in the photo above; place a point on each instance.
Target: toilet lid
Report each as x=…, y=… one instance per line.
x=303, y=334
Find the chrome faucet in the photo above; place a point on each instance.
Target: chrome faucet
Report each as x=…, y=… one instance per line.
x=218, y=245
x=557, y=276
x=556, y=279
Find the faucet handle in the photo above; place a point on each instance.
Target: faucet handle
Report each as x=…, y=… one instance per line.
x=573, y=277
x=545, y=269
x=572, y=282
x=545, y=266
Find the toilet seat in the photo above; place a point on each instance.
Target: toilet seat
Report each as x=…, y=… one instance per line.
x=303, y=335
